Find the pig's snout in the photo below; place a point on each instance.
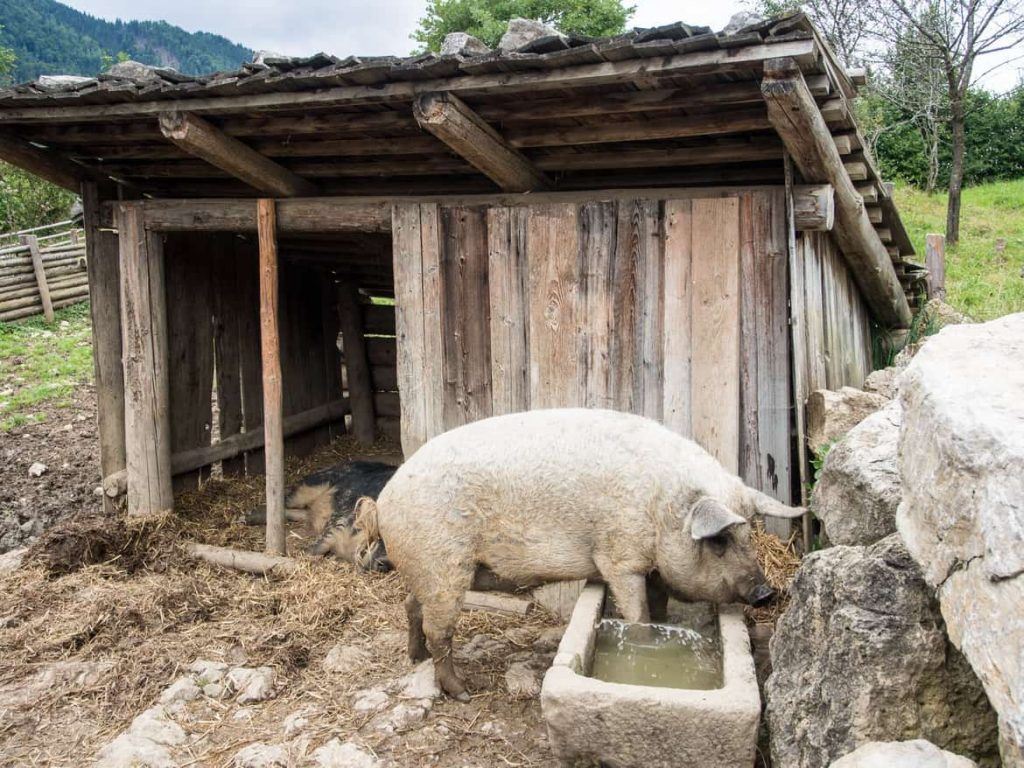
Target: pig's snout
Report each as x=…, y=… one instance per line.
x=760, y=595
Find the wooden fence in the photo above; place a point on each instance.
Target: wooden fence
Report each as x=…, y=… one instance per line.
x=42, y=269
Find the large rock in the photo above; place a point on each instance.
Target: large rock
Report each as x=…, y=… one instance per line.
x=861, y=655
x=462, y=44
x=904, y=754
x=859, y=489
x=521, y=32
x=962, y=515
x=830, y=415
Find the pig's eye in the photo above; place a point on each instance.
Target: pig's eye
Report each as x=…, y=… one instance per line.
x=718, y=544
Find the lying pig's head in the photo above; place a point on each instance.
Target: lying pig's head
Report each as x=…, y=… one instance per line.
x=705, y=553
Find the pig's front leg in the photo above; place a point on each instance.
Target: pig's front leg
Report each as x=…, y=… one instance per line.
x=630, y=593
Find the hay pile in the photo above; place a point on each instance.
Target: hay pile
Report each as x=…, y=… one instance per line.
x=779, y=561
x=124, y=592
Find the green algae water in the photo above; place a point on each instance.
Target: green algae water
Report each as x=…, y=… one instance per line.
x=660, y=655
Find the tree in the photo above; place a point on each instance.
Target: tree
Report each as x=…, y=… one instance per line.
x=954, y=34
x=487, y=19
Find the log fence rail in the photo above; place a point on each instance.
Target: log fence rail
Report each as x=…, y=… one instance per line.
x=42, y=269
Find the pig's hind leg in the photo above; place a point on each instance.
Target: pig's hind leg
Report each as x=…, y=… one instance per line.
x=440, y=612
x=417, y=640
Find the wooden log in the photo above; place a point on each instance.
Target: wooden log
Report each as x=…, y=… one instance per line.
x=144, y=345
x=270, y=354
x=572, y=159
x=197, y=137
x=37, y=308
x=495, y=602
x=730, y=59
x=37, y=266
x=242, y=560
x=935, y=261
x=450, y=120
x=43, y=163
x=814, y=207
x=357, y=366
x=796, y=117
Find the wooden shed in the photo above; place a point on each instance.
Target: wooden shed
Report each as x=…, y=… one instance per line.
x=672, y=222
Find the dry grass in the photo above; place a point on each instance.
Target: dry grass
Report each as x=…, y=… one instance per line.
x=125, y=592
x=779, y=561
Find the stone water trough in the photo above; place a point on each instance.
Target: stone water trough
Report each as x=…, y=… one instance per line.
x=623, y=725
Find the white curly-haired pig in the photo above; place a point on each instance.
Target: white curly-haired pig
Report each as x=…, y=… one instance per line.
x=554, y=495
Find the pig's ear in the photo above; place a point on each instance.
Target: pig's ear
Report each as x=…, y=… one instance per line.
x=709, y=518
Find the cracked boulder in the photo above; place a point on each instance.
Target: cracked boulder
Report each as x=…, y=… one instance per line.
x=861, y=655
x=962, y=515
x=859, y=489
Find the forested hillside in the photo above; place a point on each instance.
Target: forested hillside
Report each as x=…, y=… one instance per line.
x=49, y=38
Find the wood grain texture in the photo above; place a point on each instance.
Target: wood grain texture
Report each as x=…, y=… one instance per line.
x=144, y=345
x=227, y=317
x=676, y=411
x=409, y=318
x=32, y=243
x=357, y=365
x=598, y=226
x=508, y=296
x=433, y=332
x=716, y=330
x=270, y=354
x=552, y=248
x=249, y=346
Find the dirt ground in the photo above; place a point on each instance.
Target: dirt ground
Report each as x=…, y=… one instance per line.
x=104, y=615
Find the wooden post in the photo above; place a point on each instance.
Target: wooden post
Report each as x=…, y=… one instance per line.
x=270, y=349
x=105, y=311
x=935, y=260
x=357, y=365
x=37, y=266
x=144, y=342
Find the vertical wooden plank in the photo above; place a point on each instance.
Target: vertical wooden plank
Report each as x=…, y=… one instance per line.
x=716, y=331
x=105, y=311
x=552, y=247
x=227, y=312
x=508, y=293
x=648, y=384
x=249, y=349
x=815, y=308
x=357, y=366
x=935, y=261
x=270, y=347
x=408, y=270
x=625, y=311
x=188, y=265
x=678, y=316
x=331, y=322
x=598, y=225
x=434, y=312
x=37, y=266
x=144, y=343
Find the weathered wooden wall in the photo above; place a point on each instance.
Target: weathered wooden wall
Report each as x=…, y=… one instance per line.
x=674, y=309
x=214, y=347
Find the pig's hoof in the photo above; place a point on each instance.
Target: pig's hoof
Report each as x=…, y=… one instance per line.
x=454, y=687
x=463, y=697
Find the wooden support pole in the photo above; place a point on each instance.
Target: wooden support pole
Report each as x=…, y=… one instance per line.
x=799, y=123
x=814, y=207
x=935, y=261
x=144, y=343
x=105, y=311
x=32, y=243
x=197, y=137
x=357, y=365
x=446, y=116
x=270, y=350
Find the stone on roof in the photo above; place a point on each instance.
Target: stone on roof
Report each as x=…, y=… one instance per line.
x=135, y=71
x=462, y=44
x=523, y=33
x=61, y=82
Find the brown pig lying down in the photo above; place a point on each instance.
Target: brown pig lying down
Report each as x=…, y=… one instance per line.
x=554, y=495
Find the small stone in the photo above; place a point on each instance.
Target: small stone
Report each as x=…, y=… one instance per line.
x=245, y=713
x=208, y=671
x=157, y=726
x=522, y=682
x=213, y=690
x=402, y=717
x=295, y=723
x=462, y=44
x=480, y=646
x=260, y=755
x=37, y=469
x=130, y=751
x=345, y=658
x=371, y=700
x=335, y=754
x=11, y=561
x=182, y=689
x=549, y=639
x=421, y=683
x=252, y=684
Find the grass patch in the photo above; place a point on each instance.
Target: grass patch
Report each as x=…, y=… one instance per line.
x=980, y=282
x=43, y=364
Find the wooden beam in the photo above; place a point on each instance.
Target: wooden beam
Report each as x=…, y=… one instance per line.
x=44, y=163
x=199, y=138
x=796, y=117
x=725, y=151
x=715, y=123
x=449, y=119
x=32, y=243
x=147, y=424
x=270, y=355
x=731, y=59
x=813, y=207
x=357, y=366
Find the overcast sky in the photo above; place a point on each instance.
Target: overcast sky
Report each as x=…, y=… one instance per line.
x=370, y=27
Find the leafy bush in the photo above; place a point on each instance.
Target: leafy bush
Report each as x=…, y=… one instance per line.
x=28, y=201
